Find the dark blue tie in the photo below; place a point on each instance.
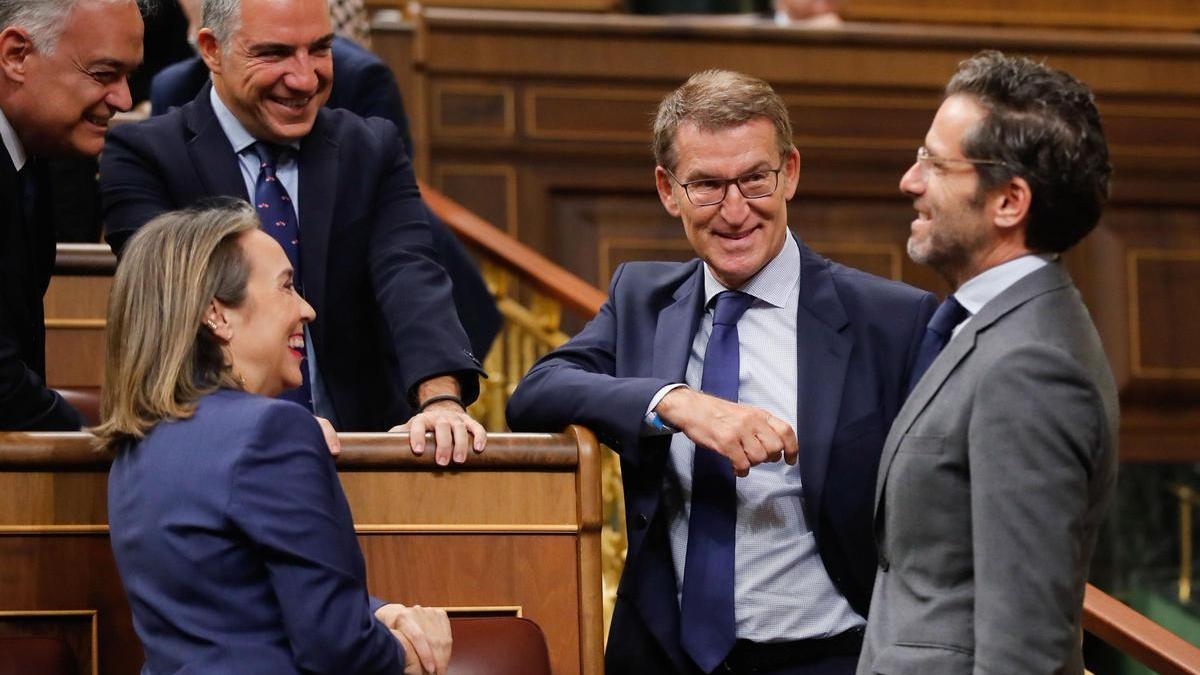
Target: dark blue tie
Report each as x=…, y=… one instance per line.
x=706, y=624
x=948, y=315
x=278, y=218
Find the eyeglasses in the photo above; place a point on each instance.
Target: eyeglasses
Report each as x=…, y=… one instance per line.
x=710, y=191
x=924, y=159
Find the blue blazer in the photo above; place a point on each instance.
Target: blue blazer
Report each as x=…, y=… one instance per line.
x=857, y=336
x=385, y=314
x=236, y=547
x=364, y=85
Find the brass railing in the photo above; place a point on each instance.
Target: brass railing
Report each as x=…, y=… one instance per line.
x=1188, y=499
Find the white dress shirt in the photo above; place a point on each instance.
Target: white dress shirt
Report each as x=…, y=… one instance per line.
x=12, y=144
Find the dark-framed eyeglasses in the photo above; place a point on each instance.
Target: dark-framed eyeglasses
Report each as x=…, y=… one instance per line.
x=926, y=160
x=711, y=191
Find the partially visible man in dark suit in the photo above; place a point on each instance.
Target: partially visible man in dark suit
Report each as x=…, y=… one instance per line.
x=696, y=372
x=337, y=192
x=64, y=67
x=365, y=86
x=999, y=468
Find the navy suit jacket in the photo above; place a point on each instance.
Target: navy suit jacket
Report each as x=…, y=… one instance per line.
x=236, y=546
x=385, y=316
x=364, y=85
x=26, y=263
x=857, y=336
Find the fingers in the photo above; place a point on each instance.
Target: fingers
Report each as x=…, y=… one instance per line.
x=331, y=437
x=443, y=434
x=416, y=434
x=478, y=433
x=791, y=448
x=410, y=625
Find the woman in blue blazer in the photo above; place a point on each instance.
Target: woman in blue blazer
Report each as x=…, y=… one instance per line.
x=229, y=526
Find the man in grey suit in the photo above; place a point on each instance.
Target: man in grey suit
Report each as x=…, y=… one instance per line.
x=999, y=467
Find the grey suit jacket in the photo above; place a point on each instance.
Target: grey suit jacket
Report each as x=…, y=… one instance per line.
x=993, y=480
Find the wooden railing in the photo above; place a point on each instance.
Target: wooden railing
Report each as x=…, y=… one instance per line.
x=1138, y=637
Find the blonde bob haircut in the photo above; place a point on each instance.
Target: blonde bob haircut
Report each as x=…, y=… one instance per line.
x=161, y=358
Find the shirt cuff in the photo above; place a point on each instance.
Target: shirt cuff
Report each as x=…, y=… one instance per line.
x=647, y=428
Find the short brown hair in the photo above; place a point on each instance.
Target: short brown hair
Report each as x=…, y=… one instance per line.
x=160, y=357
x=715, y=100
x=1042, y=124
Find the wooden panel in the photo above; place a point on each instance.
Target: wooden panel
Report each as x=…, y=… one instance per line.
x=75, y=308
x=77, y=628
x=473, y=109
x=1175, y=15
x=488, y=190
x=1163, y=333
x=533, y=572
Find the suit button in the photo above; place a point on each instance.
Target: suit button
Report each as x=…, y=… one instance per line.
x=640, y=521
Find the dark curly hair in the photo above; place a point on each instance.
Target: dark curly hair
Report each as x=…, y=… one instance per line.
x=1044, y=125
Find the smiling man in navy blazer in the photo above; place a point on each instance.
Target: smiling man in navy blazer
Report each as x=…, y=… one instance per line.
x=385, y=330
x=703, y=375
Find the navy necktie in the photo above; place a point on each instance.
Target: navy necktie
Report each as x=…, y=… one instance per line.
x=706, y=608
x=948, y=315
x=278, y=218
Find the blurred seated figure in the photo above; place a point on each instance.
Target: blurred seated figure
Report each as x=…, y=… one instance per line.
x=364, y=85
x=230, y=529
x=813, y=13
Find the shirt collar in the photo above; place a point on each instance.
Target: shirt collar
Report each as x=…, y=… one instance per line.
x=234, y=131
x=773, y=284
x=12, y=144
x=980, y=289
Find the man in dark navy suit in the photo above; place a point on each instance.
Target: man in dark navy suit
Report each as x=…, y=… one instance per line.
x=703, y=375
x=64, y=67
x=365, y=86
x=342, y=187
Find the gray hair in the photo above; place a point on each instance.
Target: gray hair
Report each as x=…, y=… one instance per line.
x=222, y=17
x=44, y=20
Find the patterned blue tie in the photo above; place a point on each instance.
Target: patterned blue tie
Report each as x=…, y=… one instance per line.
x=278, y=219
x=948, y=315
x=706, y=625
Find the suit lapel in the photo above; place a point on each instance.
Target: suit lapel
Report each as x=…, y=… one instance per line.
x=318, y=181
x=210, y=150
x=822, y=355
x=1042, y=281
x=677, y=326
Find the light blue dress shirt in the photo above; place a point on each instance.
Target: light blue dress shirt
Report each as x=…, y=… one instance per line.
x=782, y=591
x=980, y=289
x=287, y=170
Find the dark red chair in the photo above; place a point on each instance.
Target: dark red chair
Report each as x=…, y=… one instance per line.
x=498, y=646
x=86, y=400
x=27, y=655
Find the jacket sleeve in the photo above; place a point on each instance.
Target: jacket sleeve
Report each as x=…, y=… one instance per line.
x=287, y=499
x=1035, y=441
x=577, y=384
x=132, y=188
x=25, y=401
x=413, y=291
